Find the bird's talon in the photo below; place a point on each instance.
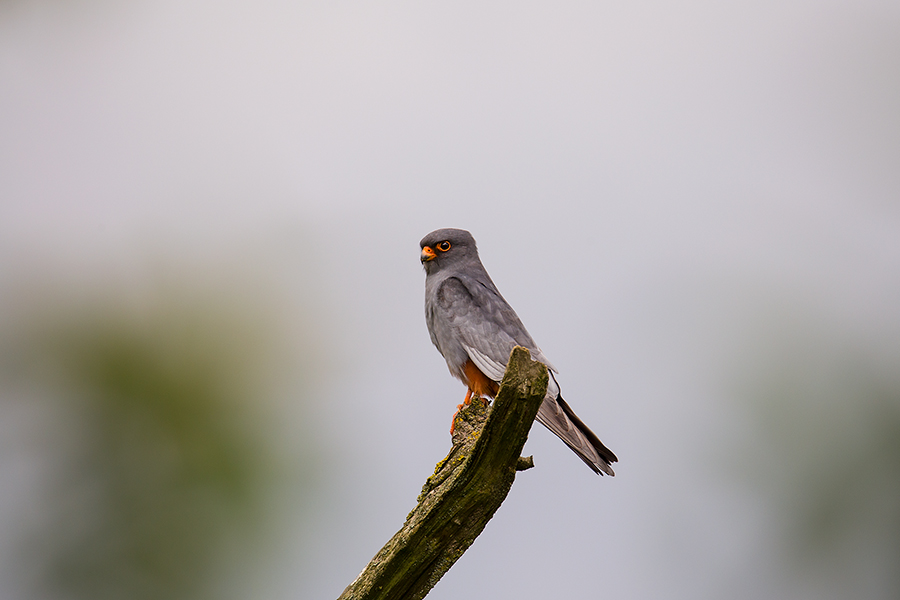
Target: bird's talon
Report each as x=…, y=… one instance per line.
x=456, y=414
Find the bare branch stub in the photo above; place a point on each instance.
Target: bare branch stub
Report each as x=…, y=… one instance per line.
x=465, y=490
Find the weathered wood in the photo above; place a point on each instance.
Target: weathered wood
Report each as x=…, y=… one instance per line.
x=465, y=490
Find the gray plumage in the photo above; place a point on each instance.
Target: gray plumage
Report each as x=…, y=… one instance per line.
x=469, y=320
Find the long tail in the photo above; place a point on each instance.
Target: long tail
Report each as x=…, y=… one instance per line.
x=555, y=415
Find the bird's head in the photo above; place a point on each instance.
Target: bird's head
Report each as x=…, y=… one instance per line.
x=446, y=247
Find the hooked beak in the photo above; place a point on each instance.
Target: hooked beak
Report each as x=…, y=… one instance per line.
x=427, y=254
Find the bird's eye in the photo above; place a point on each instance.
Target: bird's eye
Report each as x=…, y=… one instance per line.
x=443, y=246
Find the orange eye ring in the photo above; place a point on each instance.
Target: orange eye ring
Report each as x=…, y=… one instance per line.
x=443, y=246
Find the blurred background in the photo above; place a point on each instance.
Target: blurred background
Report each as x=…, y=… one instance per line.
x=215, y=376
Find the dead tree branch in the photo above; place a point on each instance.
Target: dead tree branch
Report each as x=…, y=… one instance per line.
x=465, y=490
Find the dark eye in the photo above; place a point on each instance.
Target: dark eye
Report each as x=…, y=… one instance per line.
x=443, y=246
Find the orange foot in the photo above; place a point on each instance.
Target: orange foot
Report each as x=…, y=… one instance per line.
x=466, y=402
x=453, y=421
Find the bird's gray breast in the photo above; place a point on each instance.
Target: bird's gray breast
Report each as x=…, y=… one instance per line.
x=441, y=326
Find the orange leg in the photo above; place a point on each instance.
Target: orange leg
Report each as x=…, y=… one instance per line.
x=453, y=420
x=466, y=402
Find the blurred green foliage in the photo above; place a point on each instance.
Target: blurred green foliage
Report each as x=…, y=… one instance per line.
x=161, y=458
x=827, y=456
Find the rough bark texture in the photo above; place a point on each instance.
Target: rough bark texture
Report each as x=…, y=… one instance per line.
x=465, y=490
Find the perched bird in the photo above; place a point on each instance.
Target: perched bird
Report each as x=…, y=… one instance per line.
x=475, y=330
